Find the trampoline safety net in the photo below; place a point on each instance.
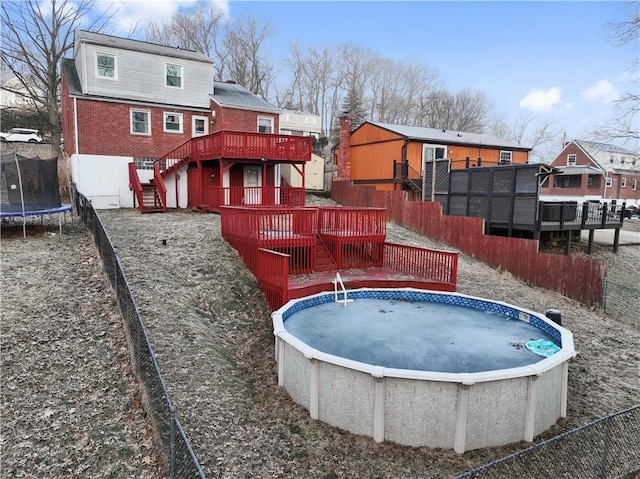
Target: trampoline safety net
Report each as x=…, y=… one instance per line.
x=33, y=181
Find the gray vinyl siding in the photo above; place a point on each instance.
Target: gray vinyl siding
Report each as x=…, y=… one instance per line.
x=140, y=76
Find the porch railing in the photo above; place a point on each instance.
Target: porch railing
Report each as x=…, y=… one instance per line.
x=238, y=145
x=256, y=195
x=440, y=266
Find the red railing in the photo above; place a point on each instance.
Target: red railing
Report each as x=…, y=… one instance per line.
x=353, y=236
x=440, y=266
x=272, y=273
x=135, y=185
x=238, y=145
x=292, y=231
x=161, y=189
x=257, y=195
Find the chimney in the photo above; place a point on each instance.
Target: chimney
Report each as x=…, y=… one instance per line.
x=344, y=155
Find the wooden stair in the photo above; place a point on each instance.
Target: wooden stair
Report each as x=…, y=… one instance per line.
x=324, y=260
x=151, y=201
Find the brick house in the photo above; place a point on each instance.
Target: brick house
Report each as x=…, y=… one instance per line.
x=131, y=107
x=591, y=171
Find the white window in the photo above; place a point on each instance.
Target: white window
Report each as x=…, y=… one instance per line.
x=623, y=183
x=106, y=66
x=172, y=122
x=609, y=183
x=634, y=184
x=140, y=122
x=589, y=181
x=571, y=160
x=505, y=157
x=265, y=125
x=199, y=125
x=173, y=75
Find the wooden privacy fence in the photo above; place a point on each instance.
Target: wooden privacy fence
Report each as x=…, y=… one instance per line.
x=581, y=279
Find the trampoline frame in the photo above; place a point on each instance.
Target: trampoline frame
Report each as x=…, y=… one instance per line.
x=48, y=211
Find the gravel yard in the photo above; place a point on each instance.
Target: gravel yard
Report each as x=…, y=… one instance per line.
x=63, y=347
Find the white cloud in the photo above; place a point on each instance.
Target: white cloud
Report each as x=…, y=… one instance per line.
x=136, y=13
x=540, y=100
x=603, y=91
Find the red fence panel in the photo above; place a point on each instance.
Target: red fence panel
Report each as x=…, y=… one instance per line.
x=581, y=279
x=439, y=266
x=273, y=276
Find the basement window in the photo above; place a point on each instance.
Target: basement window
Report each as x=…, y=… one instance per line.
x=143, y=163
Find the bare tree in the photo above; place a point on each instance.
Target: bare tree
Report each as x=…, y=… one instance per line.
x=245, y=63
x=529, y=131
x=466, y=111
x=625, y=125
x=198, y=30
x=36, y=35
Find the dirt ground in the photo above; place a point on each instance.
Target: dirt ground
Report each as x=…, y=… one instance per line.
x=63, y=346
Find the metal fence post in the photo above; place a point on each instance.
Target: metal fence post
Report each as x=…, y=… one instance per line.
x=172, y=442
x=605, y=452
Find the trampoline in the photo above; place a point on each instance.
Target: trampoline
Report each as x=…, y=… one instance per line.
x=29, y=188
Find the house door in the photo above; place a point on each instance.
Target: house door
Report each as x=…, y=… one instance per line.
x=435, y=171
x=252, y=184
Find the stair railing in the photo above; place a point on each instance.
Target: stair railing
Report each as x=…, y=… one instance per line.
x=136, y=186
x=344, y=300
x=160, y=186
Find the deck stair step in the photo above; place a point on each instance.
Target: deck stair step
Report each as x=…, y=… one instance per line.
x=324, y=260
x=151, y=201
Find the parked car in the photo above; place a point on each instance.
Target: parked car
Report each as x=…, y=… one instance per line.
x=21, y=134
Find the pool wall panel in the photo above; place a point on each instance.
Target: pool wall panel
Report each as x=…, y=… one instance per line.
x=548, y=404
x=296, y=377
x=496, y=414
x=345, y=398
x=417, y=412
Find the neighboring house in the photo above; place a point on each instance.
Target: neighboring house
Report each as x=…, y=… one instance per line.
x=297, y=123
x=137, y=114
x=13, y=94
x=393, y=157
x=591, y=171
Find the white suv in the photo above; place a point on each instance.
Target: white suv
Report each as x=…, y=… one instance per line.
x=21, y=134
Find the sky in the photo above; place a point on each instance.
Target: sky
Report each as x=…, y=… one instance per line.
x=547, y=60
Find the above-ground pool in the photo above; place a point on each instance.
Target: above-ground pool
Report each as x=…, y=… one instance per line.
x=423, y=368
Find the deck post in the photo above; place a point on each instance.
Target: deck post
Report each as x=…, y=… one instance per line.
x=616, y=240
x=590, y=245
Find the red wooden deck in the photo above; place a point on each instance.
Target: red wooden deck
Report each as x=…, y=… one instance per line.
x=301, y=285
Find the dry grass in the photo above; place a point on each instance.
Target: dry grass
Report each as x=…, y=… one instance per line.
x=211, y=330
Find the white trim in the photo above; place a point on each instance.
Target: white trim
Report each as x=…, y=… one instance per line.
x=166, y=65
x=205, y=119
x=270, y=119
x=137, y=110
x=180, y=118
x=115, y=66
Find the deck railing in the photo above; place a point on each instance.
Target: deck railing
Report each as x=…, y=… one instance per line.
x=272, y=273
x=257, y=195
x=440, y=266
x=238, y=145
x=292, y=231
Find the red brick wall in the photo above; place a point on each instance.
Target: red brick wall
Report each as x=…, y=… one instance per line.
x=344, y=152
x=232, y=119
x=105, y=129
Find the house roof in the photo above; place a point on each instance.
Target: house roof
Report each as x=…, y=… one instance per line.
x=71, y=74
x=140, y=46
x=578, y=170
x=447, y=136
x=232, y=95
x=597, y=152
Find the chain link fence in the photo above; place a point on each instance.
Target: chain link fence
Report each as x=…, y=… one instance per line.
x=621, y=300
x=169, y=434
x=605, y=449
